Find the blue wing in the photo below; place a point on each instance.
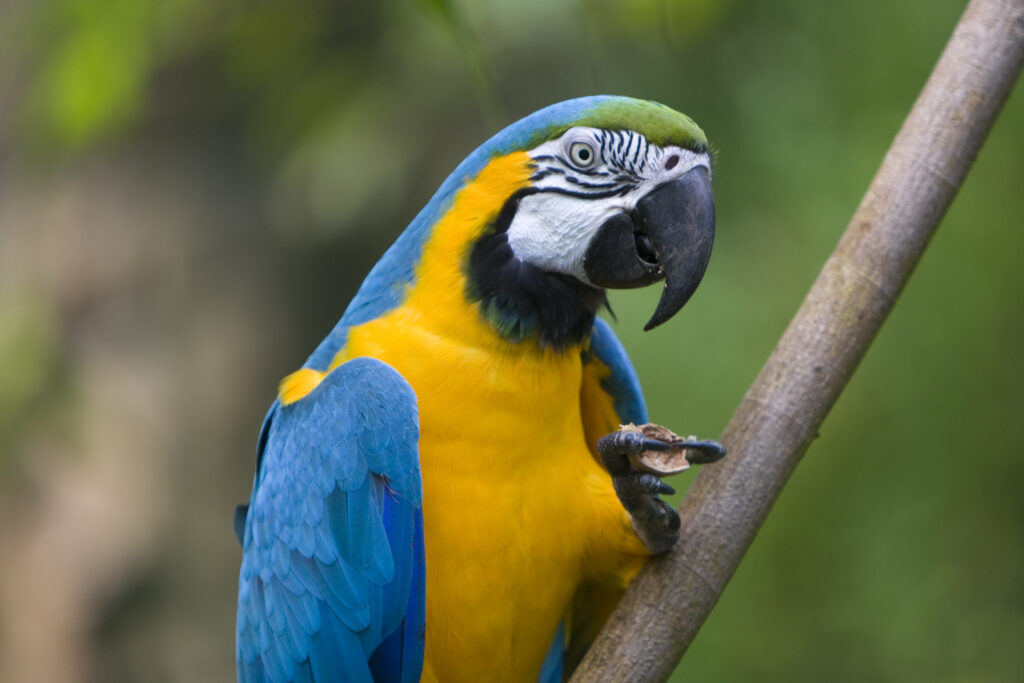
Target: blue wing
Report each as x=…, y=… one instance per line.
x=333, y=576
x=622, y=385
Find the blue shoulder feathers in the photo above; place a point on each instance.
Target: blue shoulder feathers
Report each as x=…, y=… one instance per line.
x=333, y=567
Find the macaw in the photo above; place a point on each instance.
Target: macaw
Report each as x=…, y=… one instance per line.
x=443, y=491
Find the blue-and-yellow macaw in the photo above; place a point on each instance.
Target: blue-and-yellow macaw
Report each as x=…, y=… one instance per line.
x=433, y=498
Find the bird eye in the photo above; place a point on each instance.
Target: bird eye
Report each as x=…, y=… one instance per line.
x=582, y=154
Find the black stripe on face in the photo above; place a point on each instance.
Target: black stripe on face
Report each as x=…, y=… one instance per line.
x=545, y=172
x=594, y=186
x=589, y=195
x=592, y=171
x=603, y=147
x=641, y=144
x=630, y=140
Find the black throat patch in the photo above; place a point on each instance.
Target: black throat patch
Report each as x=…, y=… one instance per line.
x=519, y=299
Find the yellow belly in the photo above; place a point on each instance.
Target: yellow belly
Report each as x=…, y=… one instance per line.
x=504, y=553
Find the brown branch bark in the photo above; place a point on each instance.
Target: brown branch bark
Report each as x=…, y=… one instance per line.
x=858, y=286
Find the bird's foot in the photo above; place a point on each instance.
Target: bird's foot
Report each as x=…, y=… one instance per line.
x=636, y=461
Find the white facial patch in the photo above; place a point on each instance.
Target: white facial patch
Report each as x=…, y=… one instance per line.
x=584, y=178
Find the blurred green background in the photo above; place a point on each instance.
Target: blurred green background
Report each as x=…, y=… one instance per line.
x=191, y=191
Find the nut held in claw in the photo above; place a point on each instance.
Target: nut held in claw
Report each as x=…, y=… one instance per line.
x=660, y=463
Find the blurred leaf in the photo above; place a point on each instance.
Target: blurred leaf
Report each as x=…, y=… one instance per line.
x=94, y=60
x=93, y=82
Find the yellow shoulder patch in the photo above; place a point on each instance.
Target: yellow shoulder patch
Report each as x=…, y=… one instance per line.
x=298, y=384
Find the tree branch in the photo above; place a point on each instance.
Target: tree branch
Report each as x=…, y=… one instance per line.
x=858, y=286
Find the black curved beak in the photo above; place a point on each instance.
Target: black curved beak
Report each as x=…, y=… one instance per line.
x=668, y=236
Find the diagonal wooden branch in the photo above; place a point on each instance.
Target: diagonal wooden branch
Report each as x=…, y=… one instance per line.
x=858, y=286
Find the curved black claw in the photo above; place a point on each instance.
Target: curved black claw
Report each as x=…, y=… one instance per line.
x=651, y=484
x=655, y=445
x=654, y=520
x=704, y=452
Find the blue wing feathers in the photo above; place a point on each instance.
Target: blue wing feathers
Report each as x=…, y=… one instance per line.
x=551, y=669
x=336, y=655
x=415, y=624
x=400, y=526
x=302, y=673
x=399, y=659
x=333, y=535
x=623, y=385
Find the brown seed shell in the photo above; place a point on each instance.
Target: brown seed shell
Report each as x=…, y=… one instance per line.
x=659, y=463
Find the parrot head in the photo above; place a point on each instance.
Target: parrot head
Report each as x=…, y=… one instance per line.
x=619, y=196
x=537, y=223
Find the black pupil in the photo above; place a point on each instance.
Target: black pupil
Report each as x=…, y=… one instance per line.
x=583, y=153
